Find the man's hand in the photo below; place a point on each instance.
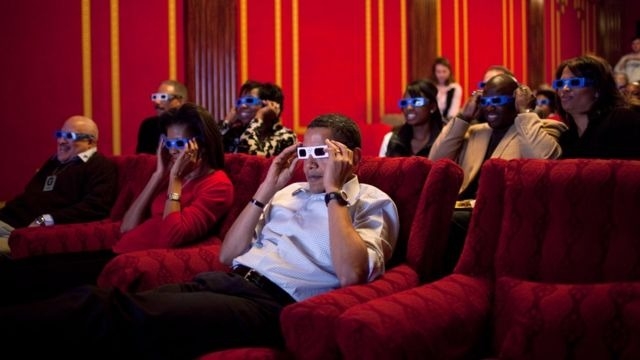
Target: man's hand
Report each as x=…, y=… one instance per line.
x=525, y=100
x=339, y=166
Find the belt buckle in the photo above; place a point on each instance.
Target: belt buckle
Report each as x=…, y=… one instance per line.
x=247, y=276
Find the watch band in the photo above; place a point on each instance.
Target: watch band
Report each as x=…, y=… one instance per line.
x=338, y=196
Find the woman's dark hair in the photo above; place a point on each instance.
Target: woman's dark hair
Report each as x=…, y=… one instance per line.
x=343, y=129
x=599, y=71
x=444, y=62
x=427, y=89
x=202, y=127
x=249, y=85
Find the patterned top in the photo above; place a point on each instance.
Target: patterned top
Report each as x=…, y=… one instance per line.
x=253, y=142
x=291, y=246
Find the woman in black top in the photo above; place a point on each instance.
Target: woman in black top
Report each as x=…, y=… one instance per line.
x=601, y=122
x=423, y=121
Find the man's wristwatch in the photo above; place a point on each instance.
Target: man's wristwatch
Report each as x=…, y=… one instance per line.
x=339, y=196
x=40, y=221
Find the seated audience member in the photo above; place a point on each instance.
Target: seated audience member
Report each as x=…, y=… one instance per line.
x=423, y=121
x=289, y=243
x=78, y=184
x=449, y=92
x=630, y=63
x=254, y=126
x=491, y=71
x=547, y=104
x=181, y=203
x=509, y=133
x=601, y=121
x=171, y=94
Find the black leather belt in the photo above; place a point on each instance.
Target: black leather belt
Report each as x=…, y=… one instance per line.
x=263, y=283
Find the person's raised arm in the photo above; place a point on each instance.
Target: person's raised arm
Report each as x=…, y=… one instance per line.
x=348, y=250
x=238, y=238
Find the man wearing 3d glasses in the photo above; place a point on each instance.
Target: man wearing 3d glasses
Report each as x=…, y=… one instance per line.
x=290, y=242
x=78, y=184
x=253, y=126
x=170, y=94
x=510, y=132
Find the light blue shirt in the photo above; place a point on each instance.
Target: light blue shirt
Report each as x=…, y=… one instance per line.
x=291, y=243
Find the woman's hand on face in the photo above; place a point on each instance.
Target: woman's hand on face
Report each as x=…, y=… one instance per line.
x=186, y=160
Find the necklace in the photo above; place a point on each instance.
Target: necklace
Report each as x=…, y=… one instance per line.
x=50, y=181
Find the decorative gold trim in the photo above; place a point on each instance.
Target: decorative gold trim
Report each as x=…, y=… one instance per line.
x=115, y=76
x=465, y=44
x=278, y=40
x=456, y=36
x=295, y=54
x=381, y=61
x=505, y=52
x=173, y=54
x=438, y=25
x=403, y=46
x=512, y=42
x=244, y=42
x=523, y=40
x=87, y=88
x=368, y=62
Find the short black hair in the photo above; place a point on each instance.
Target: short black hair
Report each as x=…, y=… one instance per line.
x=343, y=129
x=272, y=92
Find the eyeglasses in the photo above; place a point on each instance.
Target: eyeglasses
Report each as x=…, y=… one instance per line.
x=73, y=136
x=415, y=102
x=179, y=143
x=481, y=84
x=317, y=152
x=542, y=102
x=163, y=97
x=248, y=100
x=496, y=100
x=577, y=82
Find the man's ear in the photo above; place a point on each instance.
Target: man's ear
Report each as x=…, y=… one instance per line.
x=357, y=156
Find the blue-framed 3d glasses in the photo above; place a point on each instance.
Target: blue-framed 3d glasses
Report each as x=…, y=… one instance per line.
x=415, y=102
x=576, y=82
x=317, y=152
x=496, y=100
x=178, y=143
x=73, y=136
x=162, y=97
x=543, y=102
x=249, y=101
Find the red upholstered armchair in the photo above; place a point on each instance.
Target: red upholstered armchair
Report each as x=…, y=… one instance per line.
x=550, y=270
x=133, y=173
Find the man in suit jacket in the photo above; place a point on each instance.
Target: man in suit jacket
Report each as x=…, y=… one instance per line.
x=510, y=132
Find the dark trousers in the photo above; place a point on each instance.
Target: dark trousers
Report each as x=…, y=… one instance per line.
x=457, y=234
x=40, y=277
x=216, y=311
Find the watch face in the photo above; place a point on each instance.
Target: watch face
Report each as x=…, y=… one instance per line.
x=340, y=197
